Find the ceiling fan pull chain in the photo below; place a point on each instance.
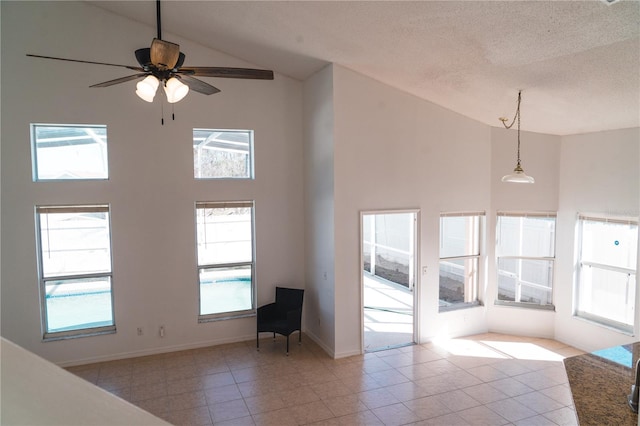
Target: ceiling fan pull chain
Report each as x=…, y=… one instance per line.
x=173, y=114
x=162, y=112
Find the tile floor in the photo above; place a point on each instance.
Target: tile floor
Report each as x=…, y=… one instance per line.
x=488, y=379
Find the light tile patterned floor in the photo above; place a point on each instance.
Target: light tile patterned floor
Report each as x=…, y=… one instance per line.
x=488, y=379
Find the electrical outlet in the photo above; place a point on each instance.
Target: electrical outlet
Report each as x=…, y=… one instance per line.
x=140, y=331
x=161, y=332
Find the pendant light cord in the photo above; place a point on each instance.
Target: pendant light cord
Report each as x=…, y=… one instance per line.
x=516, y=116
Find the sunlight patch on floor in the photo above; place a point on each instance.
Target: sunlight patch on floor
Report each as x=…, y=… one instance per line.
x=497, y=349
x=524, y=350
x=464, y=347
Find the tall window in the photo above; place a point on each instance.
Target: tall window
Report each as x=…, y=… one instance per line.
x=62, y=152
x=459, y=259
x=220, y=154
x=225, y=259
x=74, y=247
x=607, y=270
x=526, y=253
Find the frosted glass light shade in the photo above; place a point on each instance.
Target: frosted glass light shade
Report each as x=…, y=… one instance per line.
x=175, y=90
x=146, y=89
x=518, y=176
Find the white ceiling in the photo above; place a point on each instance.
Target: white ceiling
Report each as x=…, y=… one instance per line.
x=577, y=62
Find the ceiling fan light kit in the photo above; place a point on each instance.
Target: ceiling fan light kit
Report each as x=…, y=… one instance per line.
x=175, y=90
x=162, y=63
x=518, y=175
x=146, y=89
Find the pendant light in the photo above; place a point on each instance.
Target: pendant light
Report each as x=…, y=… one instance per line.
x=518, y=175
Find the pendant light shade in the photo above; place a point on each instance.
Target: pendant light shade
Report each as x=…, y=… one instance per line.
x=146, y=89
x=175, y=90
x=518, y=175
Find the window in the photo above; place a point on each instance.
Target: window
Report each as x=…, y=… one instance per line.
x=62, y=152
x=525, y=253
x=225, y=259
x=606, y=288
x=74, y=247
x=459, y=260
x=220, y=154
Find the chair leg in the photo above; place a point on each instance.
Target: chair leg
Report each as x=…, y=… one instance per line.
x=287, y=345
x=299, y=337
x=274, y=337
x=258, y=341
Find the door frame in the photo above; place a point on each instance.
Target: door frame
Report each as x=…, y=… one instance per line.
x=416, y=269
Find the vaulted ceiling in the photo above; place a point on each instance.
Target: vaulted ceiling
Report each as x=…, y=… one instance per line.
x=577, y=62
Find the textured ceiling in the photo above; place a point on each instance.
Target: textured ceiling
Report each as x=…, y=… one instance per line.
x=577, y=62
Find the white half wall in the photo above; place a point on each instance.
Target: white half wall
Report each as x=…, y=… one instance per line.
x=151, y=189
x=37, y=392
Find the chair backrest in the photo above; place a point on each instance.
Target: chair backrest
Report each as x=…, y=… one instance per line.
x=288, y=299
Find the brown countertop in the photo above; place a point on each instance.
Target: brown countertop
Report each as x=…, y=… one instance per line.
x=600, y=386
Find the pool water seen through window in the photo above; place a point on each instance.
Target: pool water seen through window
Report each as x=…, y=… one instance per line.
x=75, y=270
x=226, y=259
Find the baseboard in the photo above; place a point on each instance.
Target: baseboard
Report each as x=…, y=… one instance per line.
x=156, y=351
x=347, y=354
x=320, y=343
x=328, y=350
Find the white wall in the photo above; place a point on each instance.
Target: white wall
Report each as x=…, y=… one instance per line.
x=151, y=188
x=395, y=151
x=600, y=173
x=540, y=155
x=320, y=318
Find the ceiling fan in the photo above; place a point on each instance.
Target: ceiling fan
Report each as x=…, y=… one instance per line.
x=163, y=63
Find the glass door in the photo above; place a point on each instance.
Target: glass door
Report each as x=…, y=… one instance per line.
x=388, y=276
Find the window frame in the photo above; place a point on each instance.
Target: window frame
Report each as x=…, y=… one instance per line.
x=202, y=318
x=34, y=152
x=588, y=316
x=251, y=155
x=478, y=258
x=43, y=280
x=518, y=279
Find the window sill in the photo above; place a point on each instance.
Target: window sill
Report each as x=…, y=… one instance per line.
x=65, y=335
x=224, y=317
x=593, y=320
x=459, y=306
x=533, y=306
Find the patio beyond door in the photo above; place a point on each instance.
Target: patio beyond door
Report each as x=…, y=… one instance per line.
x=388, y=277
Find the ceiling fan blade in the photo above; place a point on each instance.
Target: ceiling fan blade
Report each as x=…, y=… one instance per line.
x=198, y=85
x=164, y=54
x=120, y=80
x=86, y=62
x=226, y=72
